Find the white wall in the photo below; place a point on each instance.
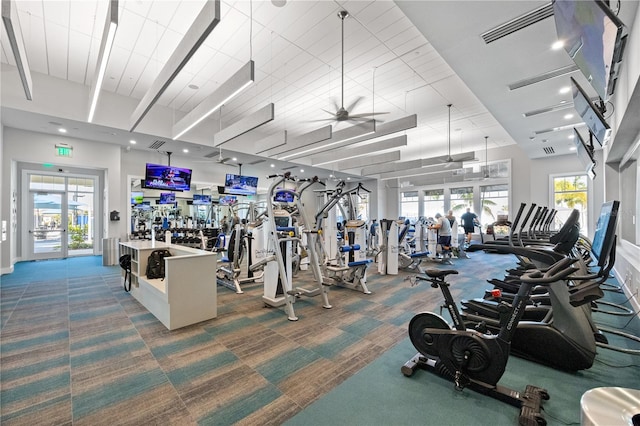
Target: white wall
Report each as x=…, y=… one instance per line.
x=31, y=147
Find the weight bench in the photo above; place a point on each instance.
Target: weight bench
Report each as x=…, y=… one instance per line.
x=353, y=274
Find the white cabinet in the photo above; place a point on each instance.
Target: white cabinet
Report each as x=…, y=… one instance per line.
x=188, y=292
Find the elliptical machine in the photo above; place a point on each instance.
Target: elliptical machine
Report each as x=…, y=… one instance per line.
x=474, y=358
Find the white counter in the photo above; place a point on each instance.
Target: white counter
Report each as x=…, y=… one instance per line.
x=188, y=293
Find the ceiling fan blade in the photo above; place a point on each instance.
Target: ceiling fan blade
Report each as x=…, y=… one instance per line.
x=354, y=103
x=322, y=119
x=329, y=112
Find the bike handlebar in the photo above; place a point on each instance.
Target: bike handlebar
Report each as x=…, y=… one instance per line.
x=560, y=270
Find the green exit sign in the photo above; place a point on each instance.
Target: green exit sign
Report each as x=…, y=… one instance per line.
x=64, y=150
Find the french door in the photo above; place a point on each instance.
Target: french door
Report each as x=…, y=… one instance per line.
x=59, y=216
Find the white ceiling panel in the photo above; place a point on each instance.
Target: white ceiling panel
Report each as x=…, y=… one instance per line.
x=78, y=42
x=78, y=13
x=297, y=52
x=57, y=49
x=128, y=30
x=163, y=12
x=57, y=12
x=35, y=41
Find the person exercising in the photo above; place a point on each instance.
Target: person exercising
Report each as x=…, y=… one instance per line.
x=469, y=222
x=444, y=233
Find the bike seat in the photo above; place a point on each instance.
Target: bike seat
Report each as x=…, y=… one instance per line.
x=437, y=273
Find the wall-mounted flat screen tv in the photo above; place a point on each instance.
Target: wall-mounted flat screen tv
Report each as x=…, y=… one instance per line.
x=201, y=199
x=158, y=176
x=167, y=198
x=603, y=238
x=137, y=197
x=240, y=185
x=145, y=205
x=584, y=154
x=283, y=197
x=594, y=37
x=590, y=114
x=228, y=200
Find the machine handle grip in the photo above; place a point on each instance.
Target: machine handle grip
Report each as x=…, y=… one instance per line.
x=560, y=270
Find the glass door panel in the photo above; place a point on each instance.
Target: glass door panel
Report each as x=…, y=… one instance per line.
x=47, y=237
x=80, y=219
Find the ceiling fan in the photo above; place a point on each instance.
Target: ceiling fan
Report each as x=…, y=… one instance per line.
x=223, y=160
x=342, y=113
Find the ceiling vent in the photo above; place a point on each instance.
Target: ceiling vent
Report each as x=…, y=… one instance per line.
x=552, y=108
x=289, y=168
x=518, y=23
x=211, y=154
x=544, y=76
x=548, y=150
x=258, y=161
x=156, y=144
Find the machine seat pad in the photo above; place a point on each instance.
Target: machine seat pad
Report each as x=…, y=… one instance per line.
x=437, y=273
x=360, y=263
x=420, y=254
x=285, y=228
x=337, y=268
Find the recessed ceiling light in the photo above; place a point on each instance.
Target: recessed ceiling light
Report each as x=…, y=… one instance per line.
x=273, y=165
x=571, y=136
x=301, y=170
x=557, y=45
x=132, y=142
x=234, y=159
x=565, y=89
x=568, y=116
x=185, y=150
x=563, y=102
x=62, y=130
x=348, y=178
x=573, y=148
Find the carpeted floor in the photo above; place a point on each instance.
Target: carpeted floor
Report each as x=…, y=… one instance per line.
x=76, y=349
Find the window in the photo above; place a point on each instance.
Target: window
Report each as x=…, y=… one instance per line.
x=570, y=192
x=409, y=205
x=494, y=200
x=433, y=202
x=461, y=199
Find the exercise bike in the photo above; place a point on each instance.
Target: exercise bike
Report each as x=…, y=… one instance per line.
x=475, y=358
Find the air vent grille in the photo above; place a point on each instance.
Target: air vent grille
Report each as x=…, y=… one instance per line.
x=211, y=154
x=254, y=162
x=289, y=168
x=518, y=23
x=542, y=77
x=157, y=144
x=548, y=150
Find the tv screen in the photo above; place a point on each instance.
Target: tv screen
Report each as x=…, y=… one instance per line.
x=605, y=231
x=145, y=205
x=283, y=197
x=590, y=114
x=240, y=185
x=167, y=198
x=158, y=176
x=228, y=200
x=584, y=154
x=137, y=197
x=594, y=37
x=200, y=199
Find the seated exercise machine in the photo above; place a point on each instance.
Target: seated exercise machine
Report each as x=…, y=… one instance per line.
x=278, y=257
x=344, y=260
x=473, y=358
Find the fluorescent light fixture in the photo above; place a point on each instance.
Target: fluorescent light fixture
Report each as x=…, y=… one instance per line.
x=344, y=135
x=14, y=33
x=382, y=129
x=244, y=125
x=422, y=171
x=305, y=139
x=369, y=160
x=370, y=148
x=197, y=33
x=270, y=142
x=108, y=35
x=227, y=90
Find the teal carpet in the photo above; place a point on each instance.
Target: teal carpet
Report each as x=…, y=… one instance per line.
x=380, y=394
